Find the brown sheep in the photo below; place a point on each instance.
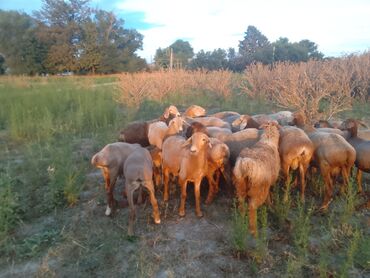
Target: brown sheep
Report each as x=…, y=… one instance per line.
x=296, y=151
x=138, y=172
x=111, y=160
x=256, y=170
x=195, y=127
x=362, y=148
x=332, y=155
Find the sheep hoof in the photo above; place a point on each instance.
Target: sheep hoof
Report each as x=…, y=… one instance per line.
x=108, y=211
x=200, y=214
x=182, y=213
x=157, y=221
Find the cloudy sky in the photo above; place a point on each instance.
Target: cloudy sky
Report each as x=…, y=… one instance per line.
x=337, y=26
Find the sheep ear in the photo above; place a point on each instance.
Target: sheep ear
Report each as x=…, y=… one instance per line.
x=186, y=143
x=243, y=125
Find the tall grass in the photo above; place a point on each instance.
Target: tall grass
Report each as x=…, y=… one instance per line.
x=40, y=111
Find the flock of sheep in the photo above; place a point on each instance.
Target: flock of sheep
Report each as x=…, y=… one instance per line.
x=248, y=151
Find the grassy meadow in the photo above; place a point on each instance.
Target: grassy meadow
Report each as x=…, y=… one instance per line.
x=52, y=221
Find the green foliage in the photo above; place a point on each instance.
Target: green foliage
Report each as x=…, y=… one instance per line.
x=215, y=60
x=9, y=206
x=301, y=228
x=33, y=245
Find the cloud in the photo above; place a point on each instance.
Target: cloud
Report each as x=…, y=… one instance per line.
x=336, y=26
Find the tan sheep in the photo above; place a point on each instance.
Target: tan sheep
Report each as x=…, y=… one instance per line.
x=111, y=160
x=256, y=170
x=362, y=148
x=218, y=163
x=137, y=132
x=156, y=155
x=243, y=122
x=209, y=121
x=332, y=155
x=239, y=140
x=193, y=167
x=138, y=172
x=194, y=111
x=159, y=130
x=217, y=159
x=296, y=151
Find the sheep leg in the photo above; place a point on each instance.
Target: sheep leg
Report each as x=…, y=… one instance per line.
x=132, y=215
x=197, y=198
x=166, y=177
x=345, y=174
x=211, y=190
x=252, y=208
x=241, y=193
x=157, y=176
x=359, y=180
x=110, y=178
x=285, y=170
x=183, y=184
x=302, y=172
x=328, y=190
x=150, y=186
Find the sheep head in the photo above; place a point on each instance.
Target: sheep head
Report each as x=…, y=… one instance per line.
x=198, y=141
x=171, y=110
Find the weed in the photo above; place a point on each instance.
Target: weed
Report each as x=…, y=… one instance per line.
x=239, y=231
x=280, y=209
x=301, y=228
x=350, y=201
x=32, y=245
x=261, y=250
x=351, y=251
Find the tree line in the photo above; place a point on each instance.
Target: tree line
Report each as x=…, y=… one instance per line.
x=68, y=36
x=254, y=48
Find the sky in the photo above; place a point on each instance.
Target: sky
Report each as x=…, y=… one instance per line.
x=337, y=26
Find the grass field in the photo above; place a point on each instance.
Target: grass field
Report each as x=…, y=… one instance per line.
x=52, y=201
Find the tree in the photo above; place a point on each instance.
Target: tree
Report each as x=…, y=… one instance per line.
x=253, y=43
x=60, y=27
x=215, y=60
x=19, y=46
x=182, y=54
x=117, y=45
